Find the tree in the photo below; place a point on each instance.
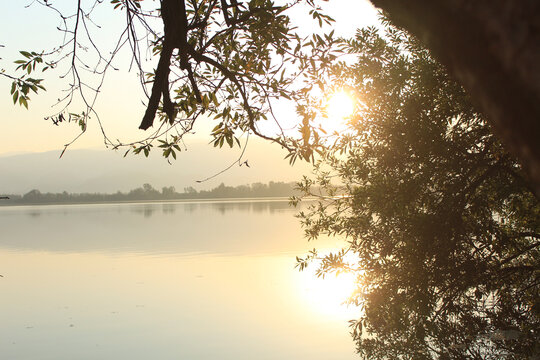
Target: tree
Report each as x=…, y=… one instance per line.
x=230, y=55
x=493, y=49
x=227, y=60
x=439, y=223
x=168, y=192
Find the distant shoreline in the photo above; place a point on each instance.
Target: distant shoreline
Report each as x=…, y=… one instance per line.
x=273, y=191
x=6, y=203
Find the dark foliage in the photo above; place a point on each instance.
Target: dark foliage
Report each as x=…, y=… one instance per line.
x=442, y=228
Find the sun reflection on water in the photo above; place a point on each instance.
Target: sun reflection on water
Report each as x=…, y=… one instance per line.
x=329, y=295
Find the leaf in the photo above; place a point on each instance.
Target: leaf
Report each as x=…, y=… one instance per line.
x=22, y=100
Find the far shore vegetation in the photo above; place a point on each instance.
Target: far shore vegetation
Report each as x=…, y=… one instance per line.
x=148, y=193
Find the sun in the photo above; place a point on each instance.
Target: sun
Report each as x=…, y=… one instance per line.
x=339, y=108
x=340, y=105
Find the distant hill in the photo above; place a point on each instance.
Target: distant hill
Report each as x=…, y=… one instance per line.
x=89, y=171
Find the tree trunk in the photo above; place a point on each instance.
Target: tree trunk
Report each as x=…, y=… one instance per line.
x=492, y=47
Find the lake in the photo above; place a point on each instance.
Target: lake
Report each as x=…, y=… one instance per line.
x=174, y=280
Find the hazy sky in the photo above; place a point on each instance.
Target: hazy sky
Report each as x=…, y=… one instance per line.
x=120, y=104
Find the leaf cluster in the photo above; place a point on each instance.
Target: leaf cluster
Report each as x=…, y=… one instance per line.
x=23, y=84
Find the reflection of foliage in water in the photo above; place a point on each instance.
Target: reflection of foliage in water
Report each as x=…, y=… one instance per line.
x=222, y=207
x=154, y=228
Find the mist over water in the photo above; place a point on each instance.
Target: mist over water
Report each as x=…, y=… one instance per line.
x=191, y=280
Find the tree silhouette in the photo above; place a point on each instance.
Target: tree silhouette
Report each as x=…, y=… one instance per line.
x=439, y=222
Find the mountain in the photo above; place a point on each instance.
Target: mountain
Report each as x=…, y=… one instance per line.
x=108, y=171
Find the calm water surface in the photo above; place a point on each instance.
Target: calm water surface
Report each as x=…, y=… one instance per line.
x=207, y=280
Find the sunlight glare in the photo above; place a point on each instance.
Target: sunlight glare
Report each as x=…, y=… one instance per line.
x=339, y=108
x=328, y=295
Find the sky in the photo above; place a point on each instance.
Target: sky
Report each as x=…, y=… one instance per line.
x=120, y=105
x=28, y=143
